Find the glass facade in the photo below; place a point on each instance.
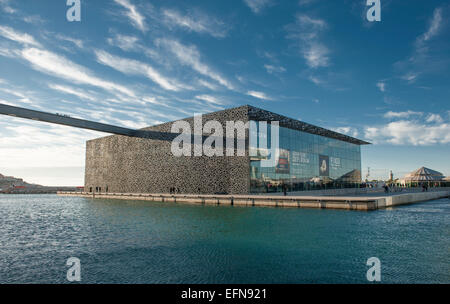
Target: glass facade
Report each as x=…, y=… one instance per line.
x=303, y=161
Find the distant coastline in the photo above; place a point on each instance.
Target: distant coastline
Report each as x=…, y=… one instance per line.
x=14, y=185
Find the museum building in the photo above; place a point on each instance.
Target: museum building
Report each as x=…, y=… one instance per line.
x=307, y=157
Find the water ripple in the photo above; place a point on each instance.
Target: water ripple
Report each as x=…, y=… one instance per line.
x=145, y=242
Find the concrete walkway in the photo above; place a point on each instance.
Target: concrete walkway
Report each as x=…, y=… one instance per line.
x=333, y=202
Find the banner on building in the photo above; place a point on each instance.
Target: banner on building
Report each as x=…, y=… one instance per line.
x=282, y=161
x=324, y=165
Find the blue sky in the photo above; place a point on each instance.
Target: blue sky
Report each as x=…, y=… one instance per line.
x=137, y=63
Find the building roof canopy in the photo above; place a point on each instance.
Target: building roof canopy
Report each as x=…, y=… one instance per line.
x=260, y=114
x=424, y=174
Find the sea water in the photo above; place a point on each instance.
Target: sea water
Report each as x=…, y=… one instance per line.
x=124, y=241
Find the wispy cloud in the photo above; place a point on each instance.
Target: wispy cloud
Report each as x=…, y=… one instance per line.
x=305, y=2
x=77, y=42
x=136, y=18
x=195, y=21
x=381, y=86
x=410, y=77
x=4, y=5
x=271, y=69
x=19, y=96
x=134, y=67
x=190, y=56
x=34, y=19
x=7, y=52
x=420, y=61
x=210, y=99
x=330, y=80
x=258, y=95
x=72, y=91
x=434, y=118
x=316, y=80
x=207, y=84
x=48, y=144
x=59, y=66
x=257, y=5
x=132, y=44
x=306, y=32
x=124, y=42
x=405, y=114
x=347, y=130
x=21, y=38
x=434, y=27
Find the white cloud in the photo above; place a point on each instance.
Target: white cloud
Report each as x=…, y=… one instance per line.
x=6, y=8
x=434, y=118
x=413, y=128
x=9, y=10
x=131, y=43
x=409, y=133
x=210, y=99
x=7, y=102
x=197, y=21
x=136, y=18
x=420, y=62
x=134, y=67
x=316, y=55
x=382, y=86
x=78, y=42
x=274, y=69
x=56, y=146
x=305, y=2
x=190, y=56
x=72, y=91
x=59, y=66
x=316, y=80
x=20, y=97
x=257, y=5
x=35, y=19
x=124, y=42
x=9, y=53
x=306, y=32
x=207, y=84
x=311, y=23
x=21, y=38
x=258, y=95
x=411, y=77
x=405, y=114
x=435, y=25
x=348, y=131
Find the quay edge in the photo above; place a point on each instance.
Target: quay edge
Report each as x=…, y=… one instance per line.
x=361, y=203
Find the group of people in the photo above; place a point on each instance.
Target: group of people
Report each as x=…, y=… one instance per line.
x=392, y=188
x=424, y=187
